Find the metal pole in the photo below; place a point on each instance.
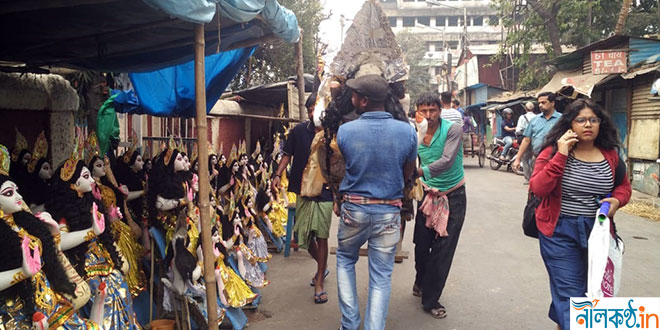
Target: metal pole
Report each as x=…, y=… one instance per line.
x=301, y=77
x=465, y=74
x=204, y=185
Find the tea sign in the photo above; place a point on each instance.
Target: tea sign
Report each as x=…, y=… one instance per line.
x=606, y=62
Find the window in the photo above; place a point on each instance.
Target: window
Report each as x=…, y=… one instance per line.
x=392, y=21
x=452, y=44
x=440, y=20
x=426, y=21
x=493, y=21
x=438, y=70
x=452, y=20
x=408, y=21
x=477, y=20
x=408, y=0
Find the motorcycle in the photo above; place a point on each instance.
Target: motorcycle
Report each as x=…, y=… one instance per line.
x=509, y=158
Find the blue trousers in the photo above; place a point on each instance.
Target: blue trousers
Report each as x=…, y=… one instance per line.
x=565, y=257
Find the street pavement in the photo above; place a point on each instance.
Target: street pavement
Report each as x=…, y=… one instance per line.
x=497, y=281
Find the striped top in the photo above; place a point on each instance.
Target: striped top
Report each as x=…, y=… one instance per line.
x=452, y=115
x=583, y=184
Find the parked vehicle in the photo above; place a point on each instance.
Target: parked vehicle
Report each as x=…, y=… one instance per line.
x=496, y=152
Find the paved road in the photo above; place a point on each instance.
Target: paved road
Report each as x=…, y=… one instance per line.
x=498, y=280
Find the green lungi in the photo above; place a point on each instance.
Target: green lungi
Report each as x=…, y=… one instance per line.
x=312, y=220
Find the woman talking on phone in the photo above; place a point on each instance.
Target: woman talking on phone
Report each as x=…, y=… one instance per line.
x=573, y=174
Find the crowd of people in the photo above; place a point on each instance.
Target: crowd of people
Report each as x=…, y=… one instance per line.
x=77, y=237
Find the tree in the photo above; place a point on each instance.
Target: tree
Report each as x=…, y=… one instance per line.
x=553, y=23
x=276, y=61
x=413, y=49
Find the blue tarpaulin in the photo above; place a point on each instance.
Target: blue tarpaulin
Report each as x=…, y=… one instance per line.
x=170, y=92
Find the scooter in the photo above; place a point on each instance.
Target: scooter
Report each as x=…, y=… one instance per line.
x=509, y=158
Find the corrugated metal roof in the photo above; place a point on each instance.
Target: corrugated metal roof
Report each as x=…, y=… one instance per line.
x=644, y=49
x=648, y=65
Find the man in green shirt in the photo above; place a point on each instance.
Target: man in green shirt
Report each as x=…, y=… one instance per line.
x=441, y=213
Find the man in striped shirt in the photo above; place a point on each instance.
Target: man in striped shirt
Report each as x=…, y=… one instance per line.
x=449, y=113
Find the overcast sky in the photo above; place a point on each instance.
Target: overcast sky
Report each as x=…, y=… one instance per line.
x=330, y=29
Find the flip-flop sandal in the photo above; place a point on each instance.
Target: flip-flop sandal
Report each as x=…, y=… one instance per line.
x=318, y=298
x=416, y=291
x=325, y=274
x=438, y=312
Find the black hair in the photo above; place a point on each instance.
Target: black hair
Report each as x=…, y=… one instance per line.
x=163, y=181
x=608, y=136
x=66, y=204
x=12, y=258
x=429, y=98
x=550, y=95
x=445, y=97
x=398, y=89
x=34, y=189
x=311, y=100
x=456, y=102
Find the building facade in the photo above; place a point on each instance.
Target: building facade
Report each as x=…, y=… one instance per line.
x=442, y=28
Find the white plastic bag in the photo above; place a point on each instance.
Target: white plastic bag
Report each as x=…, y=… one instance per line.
x=605, y=259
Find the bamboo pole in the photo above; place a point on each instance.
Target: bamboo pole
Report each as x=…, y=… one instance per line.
x=301, y=78
x=204, y=184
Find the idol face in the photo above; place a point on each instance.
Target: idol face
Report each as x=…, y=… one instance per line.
x=98, y=168
x=179, y=164
x=10, y=200
x=138, y=164
x=85, y=181
x=46, y=171
x=26, y=159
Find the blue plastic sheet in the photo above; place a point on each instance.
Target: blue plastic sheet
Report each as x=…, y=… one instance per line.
x=170, y=92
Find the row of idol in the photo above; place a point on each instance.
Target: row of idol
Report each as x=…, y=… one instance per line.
x=113, y=242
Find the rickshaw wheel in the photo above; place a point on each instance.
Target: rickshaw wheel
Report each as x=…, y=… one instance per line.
x=482, y=154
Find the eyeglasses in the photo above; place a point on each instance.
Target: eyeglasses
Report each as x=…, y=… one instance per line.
x=583, y=121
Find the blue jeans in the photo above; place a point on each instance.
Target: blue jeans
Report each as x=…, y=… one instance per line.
x=508, y=142
x=565, y=257
x=382, y=233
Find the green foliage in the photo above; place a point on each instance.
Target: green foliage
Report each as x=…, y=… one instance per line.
x=413, y=49
x=527, y=28
x=276, y=61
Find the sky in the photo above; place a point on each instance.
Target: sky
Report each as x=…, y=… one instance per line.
x=330, y=29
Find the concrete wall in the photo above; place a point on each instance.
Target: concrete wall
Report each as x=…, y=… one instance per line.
x=34, y=103
x=642, y=176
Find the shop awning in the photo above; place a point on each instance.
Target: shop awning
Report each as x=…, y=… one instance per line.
x=581, y=83
x=134, y=35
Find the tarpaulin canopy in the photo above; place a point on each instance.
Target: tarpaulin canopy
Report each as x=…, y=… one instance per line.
x=170, y=92
x=581, y=83
x=133, y=35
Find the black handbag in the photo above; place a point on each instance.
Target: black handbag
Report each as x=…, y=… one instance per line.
x=529, y=216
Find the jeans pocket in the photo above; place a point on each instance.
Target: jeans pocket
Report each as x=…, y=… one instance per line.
x=387, y=229
x=351, y=223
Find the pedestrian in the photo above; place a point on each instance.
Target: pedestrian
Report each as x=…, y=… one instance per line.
x=574, y=173
x=468, y=129
x=538, y=127
x=441, y=213
x=523, y=122
x=380, y=153
x=313, y=214
x=456, y=105
x=508, y=132
x=448, y=112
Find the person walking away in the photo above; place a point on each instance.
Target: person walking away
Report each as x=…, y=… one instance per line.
x=313, y=214
x=456, y=105
x=468, y=129
x=523, y=122
x=448, y=112
x=538, y=127
x=441, y=213
x=380, y=154
x=508, y=132
x=574, y=173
